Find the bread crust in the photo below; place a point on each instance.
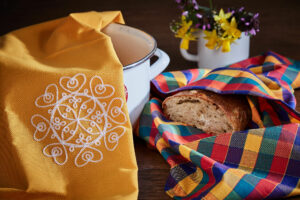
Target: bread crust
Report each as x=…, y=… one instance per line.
x=235, y=107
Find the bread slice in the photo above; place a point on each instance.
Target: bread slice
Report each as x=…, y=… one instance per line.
x=209, y=111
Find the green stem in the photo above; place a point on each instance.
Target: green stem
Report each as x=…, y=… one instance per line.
x=211, y=4
x=204, y=8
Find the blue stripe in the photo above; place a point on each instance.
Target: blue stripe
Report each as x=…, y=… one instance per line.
x=188, y=75
x=277, y=57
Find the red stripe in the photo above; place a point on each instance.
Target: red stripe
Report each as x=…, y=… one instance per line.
x=223, y=139
x=285, y=85
x=195, y=74
x=278, y=166
x=184, y=139
x=283, y=149
x=155, y=107
x=228, y=86
x=201, y=82
x=264, y=106
x=220, y=148
x=254, y=195
x=206, y=164
x=289, y=132
x=219, y=152
x=176, y=160
x=281, y=57
x=278, y=72
x=263, y=188
x=244, y=86
x=251, y=61
x=153, y=134
x=154, y=131
x=161, y=81
x=290, y=112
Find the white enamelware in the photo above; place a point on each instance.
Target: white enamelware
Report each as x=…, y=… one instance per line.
x=208, y=58
x=134, y=49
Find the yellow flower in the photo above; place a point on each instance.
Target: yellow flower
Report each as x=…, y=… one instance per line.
x=184, y=27
x=231, y=29
x=186, y=40
x=222, y=17
x=212, y=38
x=226, y=45
x=185, y=33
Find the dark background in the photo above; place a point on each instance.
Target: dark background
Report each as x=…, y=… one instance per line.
x=280, y=31
x=280, y=20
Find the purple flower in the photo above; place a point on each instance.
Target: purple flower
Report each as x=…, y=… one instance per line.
x=256, y=15
x=203, y=27
x=197, y=25
x=241, y=9
x=199, y=16
x=178, y=1
x=196, y=7
x=185, y=13
x=208, y=26
x=181, y=7
x=252, y=31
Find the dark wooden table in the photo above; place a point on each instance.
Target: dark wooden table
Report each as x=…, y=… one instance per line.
x=280, y=31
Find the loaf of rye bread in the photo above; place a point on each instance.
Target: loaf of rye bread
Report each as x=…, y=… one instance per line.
x=213, y=113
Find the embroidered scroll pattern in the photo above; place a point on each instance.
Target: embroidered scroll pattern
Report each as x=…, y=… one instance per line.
x=82, y=118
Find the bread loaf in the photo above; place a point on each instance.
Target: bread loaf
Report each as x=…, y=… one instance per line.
x=209, y=111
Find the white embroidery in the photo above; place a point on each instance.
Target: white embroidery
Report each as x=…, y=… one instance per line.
x=79, y=119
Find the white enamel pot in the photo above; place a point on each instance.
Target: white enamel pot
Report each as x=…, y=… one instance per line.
x=134, y=49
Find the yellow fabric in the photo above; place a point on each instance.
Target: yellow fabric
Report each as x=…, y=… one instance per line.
x=54, y=72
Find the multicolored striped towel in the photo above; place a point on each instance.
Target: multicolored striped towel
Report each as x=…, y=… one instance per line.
x=262, y=162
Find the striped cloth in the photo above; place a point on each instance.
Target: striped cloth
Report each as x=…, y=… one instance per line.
x=262, y=162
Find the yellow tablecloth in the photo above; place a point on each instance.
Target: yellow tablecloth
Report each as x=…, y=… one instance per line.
x=65, y=130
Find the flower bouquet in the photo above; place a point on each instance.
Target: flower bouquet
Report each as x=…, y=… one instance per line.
x=221, y=28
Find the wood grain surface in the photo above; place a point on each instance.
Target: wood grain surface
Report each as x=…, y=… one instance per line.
x=280, y=31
